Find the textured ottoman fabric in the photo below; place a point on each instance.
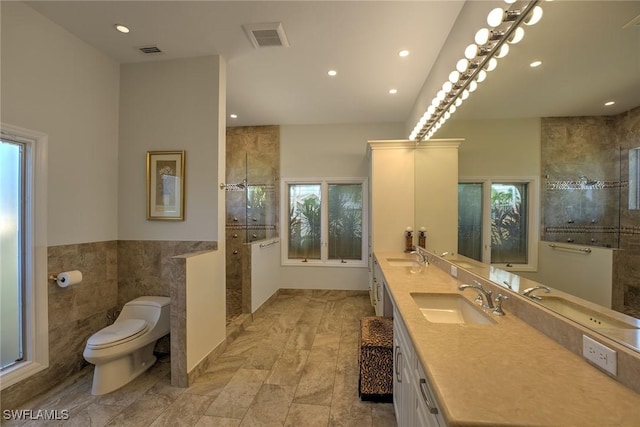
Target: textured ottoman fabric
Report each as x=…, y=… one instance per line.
x=375, y=355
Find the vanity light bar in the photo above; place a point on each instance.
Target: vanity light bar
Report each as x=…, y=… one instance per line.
x=444, y=103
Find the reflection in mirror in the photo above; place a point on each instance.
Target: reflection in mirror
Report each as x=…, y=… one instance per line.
x=634, y=178
x=551, y=122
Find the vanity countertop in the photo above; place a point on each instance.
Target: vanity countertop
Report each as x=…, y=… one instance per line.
x=507, y=373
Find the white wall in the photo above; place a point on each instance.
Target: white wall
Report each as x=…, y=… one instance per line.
x=206, y=305
x=496, y=147
x=265, y=279
x=308, y=151
x=54, y=83
x=171, y=105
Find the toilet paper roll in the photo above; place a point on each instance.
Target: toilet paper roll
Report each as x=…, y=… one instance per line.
x=67, y=278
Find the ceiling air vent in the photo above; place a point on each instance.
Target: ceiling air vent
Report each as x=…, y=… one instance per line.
x=149, y=49
x=266, y=35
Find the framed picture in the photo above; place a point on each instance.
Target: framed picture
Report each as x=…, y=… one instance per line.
x=165, y=185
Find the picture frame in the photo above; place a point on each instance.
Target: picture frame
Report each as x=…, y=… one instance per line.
x=165, y=185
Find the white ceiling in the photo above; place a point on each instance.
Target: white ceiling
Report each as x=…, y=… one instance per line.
x=588, y=57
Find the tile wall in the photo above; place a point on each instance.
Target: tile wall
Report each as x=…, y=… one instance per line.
x=594, y=211
x=114, y=272
x=252, y=158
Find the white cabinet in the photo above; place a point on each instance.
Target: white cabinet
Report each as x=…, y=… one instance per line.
x=391, y=197
x=427, y=411
x=403, y=403
x=413, y=399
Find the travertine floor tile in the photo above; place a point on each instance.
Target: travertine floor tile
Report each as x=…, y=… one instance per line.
x=295, y=365
x=307, y=415
x=185, y=411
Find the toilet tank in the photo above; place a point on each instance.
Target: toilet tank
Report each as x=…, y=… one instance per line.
x=148, y=308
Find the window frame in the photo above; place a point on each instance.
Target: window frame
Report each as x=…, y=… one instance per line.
x=533, y=194
x=36, y=324
x=324, y=260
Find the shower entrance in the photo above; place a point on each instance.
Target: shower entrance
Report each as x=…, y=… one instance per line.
x=252, y=175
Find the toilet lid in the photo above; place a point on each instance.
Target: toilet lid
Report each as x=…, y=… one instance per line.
x=120, y=332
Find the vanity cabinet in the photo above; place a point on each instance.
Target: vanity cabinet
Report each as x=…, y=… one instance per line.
x=413, y=399
x=403, y=391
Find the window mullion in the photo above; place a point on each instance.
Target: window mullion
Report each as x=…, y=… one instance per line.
x=324, y=223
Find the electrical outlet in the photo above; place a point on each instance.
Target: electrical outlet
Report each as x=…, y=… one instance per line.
x=454, y=271
x=600, y=355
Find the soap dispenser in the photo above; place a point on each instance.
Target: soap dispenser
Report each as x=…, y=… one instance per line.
x=422, y=238
x=408, y=240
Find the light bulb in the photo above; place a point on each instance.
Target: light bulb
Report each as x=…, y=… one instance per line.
x=516, y=36
x=122, y=28
x=431, y=110
x=504, y=49
x=491, y=65
x=458, y=102
x=473, y=86
x=454, y=76
x=535, y=16
x=447, y=115
x=495, y=17
x=447, y=86
x=426, y=115
x=435, y=102
x=510, y=1
x=482, y=36
x=465, y=94
x=471, y=51
x=482, y=75
x=440, y=95
x=462, y=65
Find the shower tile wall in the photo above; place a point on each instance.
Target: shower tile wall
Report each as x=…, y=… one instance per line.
x=596, y=148
x=75, y=313
x=628, y=137
x=253, y=159
x=581, y=173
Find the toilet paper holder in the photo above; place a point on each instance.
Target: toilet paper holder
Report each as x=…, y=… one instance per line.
x=66, y=278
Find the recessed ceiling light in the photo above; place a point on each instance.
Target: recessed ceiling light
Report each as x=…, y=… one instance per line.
x=535, y=64
x=332, y=73
x=403, y=53
x=609, y=103
x=122, y=28
x=233, y=116
x=393, y=91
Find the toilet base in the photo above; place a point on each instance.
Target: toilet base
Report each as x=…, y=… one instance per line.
x=112, y=375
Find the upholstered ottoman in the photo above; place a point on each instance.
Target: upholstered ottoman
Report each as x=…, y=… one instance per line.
x=375, y=356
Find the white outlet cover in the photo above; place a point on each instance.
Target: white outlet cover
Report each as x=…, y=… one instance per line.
x=600, y=355
x=454, y=271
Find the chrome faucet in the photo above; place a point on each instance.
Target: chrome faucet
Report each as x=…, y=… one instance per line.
x=423, y=257
x=529, y=292
x=483, y=294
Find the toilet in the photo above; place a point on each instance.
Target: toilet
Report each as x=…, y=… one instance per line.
x=124, y=350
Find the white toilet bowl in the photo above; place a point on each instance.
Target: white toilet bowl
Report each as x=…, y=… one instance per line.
x=124, y=350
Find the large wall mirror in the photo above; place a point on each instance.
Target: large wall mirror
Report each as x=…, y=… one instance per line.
x=551, y=122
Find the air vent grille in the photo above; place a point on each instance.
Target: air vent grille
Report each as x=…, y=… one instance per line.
x=149, y=49
x=266, y=35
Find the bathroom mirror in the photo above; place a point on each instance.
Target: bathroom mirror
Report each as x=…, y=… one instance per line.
x=586, y=61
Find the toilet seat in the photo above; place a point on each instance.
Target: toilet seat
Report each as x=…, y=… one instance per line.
x=118, y=333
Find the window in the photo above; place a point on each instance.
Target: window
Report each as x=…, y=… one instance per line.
x=23, y=254
x=324, y=222
x=497, y=221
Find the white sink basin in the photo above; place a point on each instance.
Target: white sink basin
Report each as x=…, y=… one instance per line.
x=401, y=262
x=450, y=308
x=584, y=315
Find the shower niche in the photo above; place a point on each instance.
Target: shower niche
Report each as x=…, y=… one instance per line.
x=252, y=197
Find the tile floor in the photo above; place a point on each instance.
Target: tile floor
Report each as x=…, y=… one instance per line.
x=294, y=365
